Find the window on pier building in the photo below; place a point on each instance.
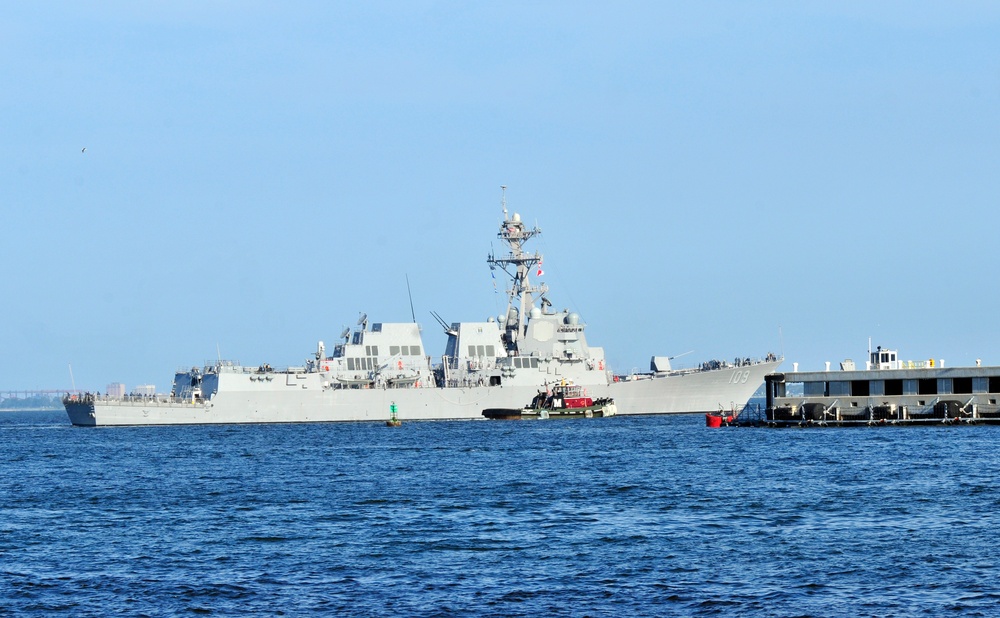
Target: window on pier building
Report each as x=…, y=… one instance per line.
x=927, y=386
x=860, y=388
x=994, y=384
x=962, y=386
x=840, y=389
x=814, y=389
x=893, y=388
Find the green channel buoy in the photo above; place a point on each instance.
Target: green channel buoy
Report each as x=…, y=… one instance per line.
x=393, y=421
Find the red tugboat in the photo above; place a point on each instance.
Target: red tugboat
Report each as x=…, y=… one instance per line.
x=563, y=400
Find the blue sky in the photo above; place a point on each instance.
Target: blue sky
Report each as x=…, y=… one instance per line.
x=730, y=178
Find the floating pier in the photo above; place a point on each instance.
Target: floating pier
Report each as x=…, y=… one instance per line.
x=887, y=392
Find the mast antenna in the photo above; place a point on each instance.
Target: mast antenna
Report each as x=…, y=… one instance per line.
x=71, y=380
x=410, y=294
x=503, y=200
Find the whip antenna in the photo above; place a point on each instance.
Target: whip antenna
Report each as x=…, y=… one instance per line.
x=410, y=294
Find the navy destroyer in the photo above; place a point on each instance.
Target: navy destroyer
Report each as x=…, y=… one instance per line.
x=501, y=362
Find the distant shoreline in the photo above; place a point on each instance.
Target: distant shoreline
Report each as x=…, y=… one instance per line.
x=30, y=409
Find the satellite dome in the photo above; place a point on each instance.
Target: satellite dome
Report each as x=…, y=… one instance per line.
x=535, y=313
x=572, y=319
x=516, y=218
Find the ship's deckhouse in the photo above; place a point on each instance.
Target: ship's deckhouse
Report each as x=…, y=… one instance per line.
x=385, y=341
x=389, y=354
x=558, y=336
x=474, y=340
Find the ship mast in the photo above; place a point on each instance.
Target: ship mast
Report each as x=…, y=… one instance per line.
x=517, y=264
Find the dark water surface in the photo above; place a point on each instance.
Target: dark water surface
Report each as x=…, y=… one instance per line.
x=620, y=516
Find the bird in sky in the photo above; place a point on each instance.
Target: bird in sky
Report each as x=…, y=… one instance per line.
x=84, y=150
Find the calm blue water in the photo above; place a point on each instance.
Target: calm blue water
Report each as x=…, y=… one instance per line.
x=620, y=516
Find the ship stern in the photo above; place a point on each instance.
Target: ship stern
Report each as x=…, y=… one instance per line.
x=80, y=410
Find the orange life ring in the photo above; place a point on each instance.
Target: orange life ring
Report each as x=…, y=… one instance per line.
x=326, y=367
x=399, y=364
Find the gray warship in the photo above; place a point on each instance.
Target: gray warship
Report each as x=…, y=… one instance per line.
x=501, y=362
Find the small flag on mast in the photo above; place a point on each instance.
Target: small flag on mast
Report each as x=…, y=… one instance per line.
x=540, y=271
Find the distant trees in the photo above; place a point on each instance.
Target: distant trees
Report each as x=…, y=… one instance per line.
x=31, y=402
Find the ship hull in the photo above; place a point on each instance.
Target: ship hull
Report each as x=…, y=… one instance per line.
x=240, y=400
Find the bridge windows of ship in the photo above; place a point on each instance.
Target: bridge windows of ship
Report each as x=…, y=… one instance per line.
x=404, y=350
x=362, y=363
x=525, y=362
x=482, y=351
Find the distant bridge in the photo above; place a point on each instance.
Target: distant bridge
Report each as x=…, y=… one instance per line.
x=20, y=394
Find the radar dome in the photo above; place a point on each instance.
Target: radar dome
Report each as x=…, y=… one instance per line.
x=516, y=218
x=535, y=313
x=573, y=319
